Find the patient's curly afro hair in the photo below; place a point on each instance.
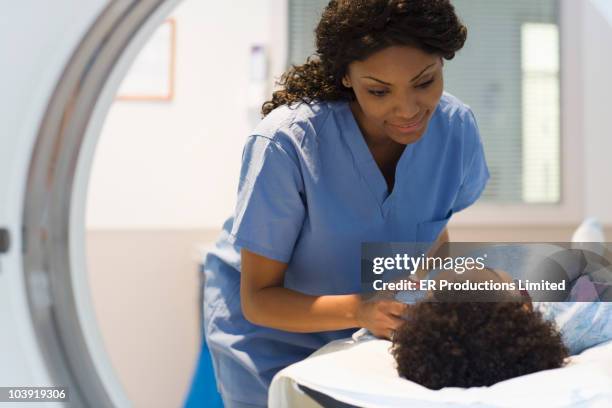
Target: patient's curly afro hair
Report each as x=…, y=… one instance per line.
x=471, y=344
x=352, y=30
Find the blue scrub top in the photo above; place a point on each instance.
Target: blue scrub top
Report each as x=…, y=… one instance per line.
x=309, y=194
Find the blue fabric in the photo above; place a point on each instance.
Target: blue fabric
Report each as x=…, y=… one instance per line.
x=582, y=324
x=203, y=392
x=309, y=194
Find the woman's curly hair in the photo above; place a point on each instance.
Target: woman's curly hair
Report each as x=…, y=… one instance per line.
x=472, y=344
x=352, y=30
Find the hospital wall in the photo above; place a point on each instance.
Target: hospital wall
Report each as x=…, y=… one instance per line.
x=165, y=178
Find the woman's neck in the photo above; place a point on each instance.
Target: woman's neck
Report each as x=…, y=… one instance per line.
x=385, y=150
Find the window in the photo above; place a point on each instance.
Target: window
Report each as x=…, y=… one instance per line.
x=508, y=72
x=540, y=103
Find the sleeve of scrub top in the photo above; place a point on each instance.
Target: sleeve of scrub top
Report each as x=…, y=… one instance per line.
x=477, y=174
x=270, y=211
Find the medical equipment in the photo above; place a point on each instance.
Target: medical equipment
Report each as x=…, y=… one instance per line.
x=64, y=72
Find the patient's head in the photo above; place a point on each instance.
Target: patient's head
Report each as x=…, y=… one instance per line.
x=469, y=344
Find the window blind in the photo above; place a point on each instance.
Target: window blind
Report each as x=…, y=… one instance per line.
x=303, y=18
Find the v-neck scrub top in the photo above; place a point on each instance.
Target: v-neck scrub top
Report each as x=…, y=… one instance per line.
x=309, y=194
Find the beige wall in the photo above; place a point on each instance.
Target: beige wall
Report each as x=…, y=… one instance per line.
x=145, y=292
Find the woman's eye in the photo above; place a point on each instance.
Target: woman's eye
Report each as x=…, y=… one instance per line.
x=377, y=93
x=425, y=84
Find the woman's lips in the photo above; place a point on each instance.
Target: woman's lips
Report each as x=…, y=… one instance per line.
x=411, y=127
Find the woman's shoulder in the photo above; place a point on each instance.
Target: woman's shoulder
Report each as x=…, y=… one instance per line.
x=453, y=109
x=295, y=122
x=455, y=123
x=296, y=128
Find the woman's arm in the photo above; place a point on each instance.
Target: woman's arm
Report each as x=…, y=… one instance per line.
x=266, y=302
x=436, y=248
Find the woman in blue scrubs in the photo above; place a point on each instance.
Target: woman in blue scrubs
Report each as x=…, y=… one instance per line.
x=360, y=144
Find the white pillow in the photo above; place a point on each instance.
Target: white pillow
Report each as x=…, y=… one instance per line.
x=363, y=373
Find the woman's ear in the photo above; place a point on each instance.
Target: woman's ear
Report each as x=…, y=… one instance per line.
x=346, y=82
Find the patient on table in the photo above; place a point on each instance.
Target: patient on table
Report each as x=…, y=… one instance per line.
x=446, y=347
x=458, y=340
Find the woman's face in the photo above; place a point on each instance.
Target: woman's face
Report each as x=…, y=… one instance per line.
x=397, y=91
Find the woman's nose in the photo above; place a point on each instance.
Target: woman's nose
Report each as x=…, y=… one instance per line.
x=407, y=109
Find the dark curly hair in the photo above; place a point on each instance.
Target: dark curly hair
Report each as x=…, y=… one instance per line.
x=472, y=344
x=352, y=30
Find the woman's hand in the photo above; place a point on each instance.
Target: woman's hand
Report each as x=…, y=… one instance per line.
x=381, y=316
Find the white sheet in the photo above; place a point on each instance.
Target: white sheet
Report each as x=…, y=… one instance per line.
x=362, y=373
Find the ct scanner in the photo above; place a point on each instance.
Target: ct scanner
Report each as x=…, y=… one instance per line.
x=61, y=71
